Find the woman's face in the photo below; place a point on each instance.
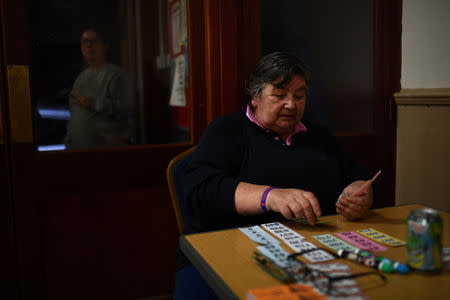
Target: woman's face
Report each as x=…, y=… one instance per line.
x=280, y=109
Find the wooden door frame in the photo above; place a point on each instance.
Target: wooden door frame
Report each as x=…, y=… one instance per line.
x=29, y=282
x=386, y=82
x=196, y=89
x=7, y=233
x=387, y=72
x=231, y=50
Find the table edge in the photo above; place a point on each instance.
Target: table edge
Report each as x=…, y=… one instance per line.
x=221, y=289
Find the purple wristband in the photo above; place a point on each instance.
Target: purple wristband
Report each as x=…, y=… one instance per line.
x=264, y=197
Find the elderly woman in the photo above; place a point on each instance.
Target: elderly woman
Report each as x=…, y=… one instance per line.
x=264, y=164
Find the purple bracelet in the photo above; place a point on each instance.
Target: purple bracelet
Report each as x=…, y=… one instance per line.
x=264, y=197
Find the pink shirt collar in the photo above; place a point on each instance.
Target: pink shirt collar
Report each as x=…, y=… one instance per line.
x=299, y=127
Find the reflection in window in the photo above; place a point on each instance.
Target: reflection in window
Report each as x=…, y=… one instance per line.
x=104, y=73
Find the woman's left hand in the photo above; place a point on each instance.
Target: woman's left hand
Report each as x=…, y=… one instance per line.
x=355, y=207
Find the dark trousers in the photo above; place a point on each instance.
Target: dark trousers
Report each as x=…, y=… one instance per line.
x=191, y=285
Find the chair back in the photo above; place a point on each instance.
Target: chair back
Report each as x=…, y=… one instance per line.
x=175, y=173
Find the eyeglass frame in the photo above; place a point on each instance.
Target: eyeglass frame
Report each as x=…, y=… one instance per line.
x=285, y=276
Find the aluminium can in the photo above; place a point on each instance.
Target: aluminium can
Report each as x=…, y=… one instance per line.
x=424, y=244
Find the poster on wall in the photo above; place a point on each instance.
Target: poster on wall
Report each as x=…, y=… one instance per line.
x=177, y=29
x=177, y=95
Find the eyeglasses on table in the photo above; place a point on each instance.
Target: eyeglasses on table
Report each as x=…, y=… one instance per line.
x=297, y=270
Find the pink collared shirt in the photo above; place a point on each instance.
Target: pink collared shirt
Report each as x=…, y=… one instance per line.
x=299, y=127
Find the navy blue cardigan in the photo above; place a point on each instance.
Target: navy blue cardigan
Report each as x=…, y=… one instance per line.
x=234, y=149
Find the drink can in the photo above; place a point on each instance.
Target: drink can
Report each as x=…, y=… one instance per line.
x=424, y=244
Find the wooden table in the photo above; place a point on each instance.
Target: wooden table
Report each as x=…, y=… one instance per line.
x=224, y=258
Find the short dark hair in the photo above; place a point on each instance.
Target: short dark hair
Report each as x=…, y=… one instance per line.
x=276, y=68
x=102, y=34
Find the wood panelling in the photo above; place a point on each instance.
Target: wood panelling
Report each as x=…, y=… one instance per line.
x=103, y=169
x=435, y=96
x=96, y=178
x=109, y=245
x=27, y=222
x=16, y=32
x=230, y=88
x=20, y=108
x=423, y=144
x=196, y=88
x=213, y=74
x=8, y=249
x=2, y=131
x=249, y=53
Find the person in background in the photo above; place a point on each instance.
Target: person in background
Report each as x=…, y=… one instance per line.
x=100, y=101
x=264, y=165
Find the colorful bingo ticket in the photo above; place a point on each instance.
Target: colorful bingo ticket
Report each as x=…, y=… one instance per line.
x=381, y=237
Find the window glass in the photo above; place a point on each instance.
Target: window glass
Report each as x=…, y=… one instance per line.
x=108, y=73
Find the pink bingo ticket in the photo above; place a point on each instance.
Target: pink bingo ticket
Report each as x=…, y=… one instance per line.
x=360, y=241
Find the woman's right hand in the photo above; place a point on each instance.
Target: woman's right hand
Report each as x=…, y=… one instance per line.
x=294, y=203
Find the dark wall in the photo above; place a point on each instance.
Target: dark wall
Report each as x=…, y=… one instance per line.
x=335, y=41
